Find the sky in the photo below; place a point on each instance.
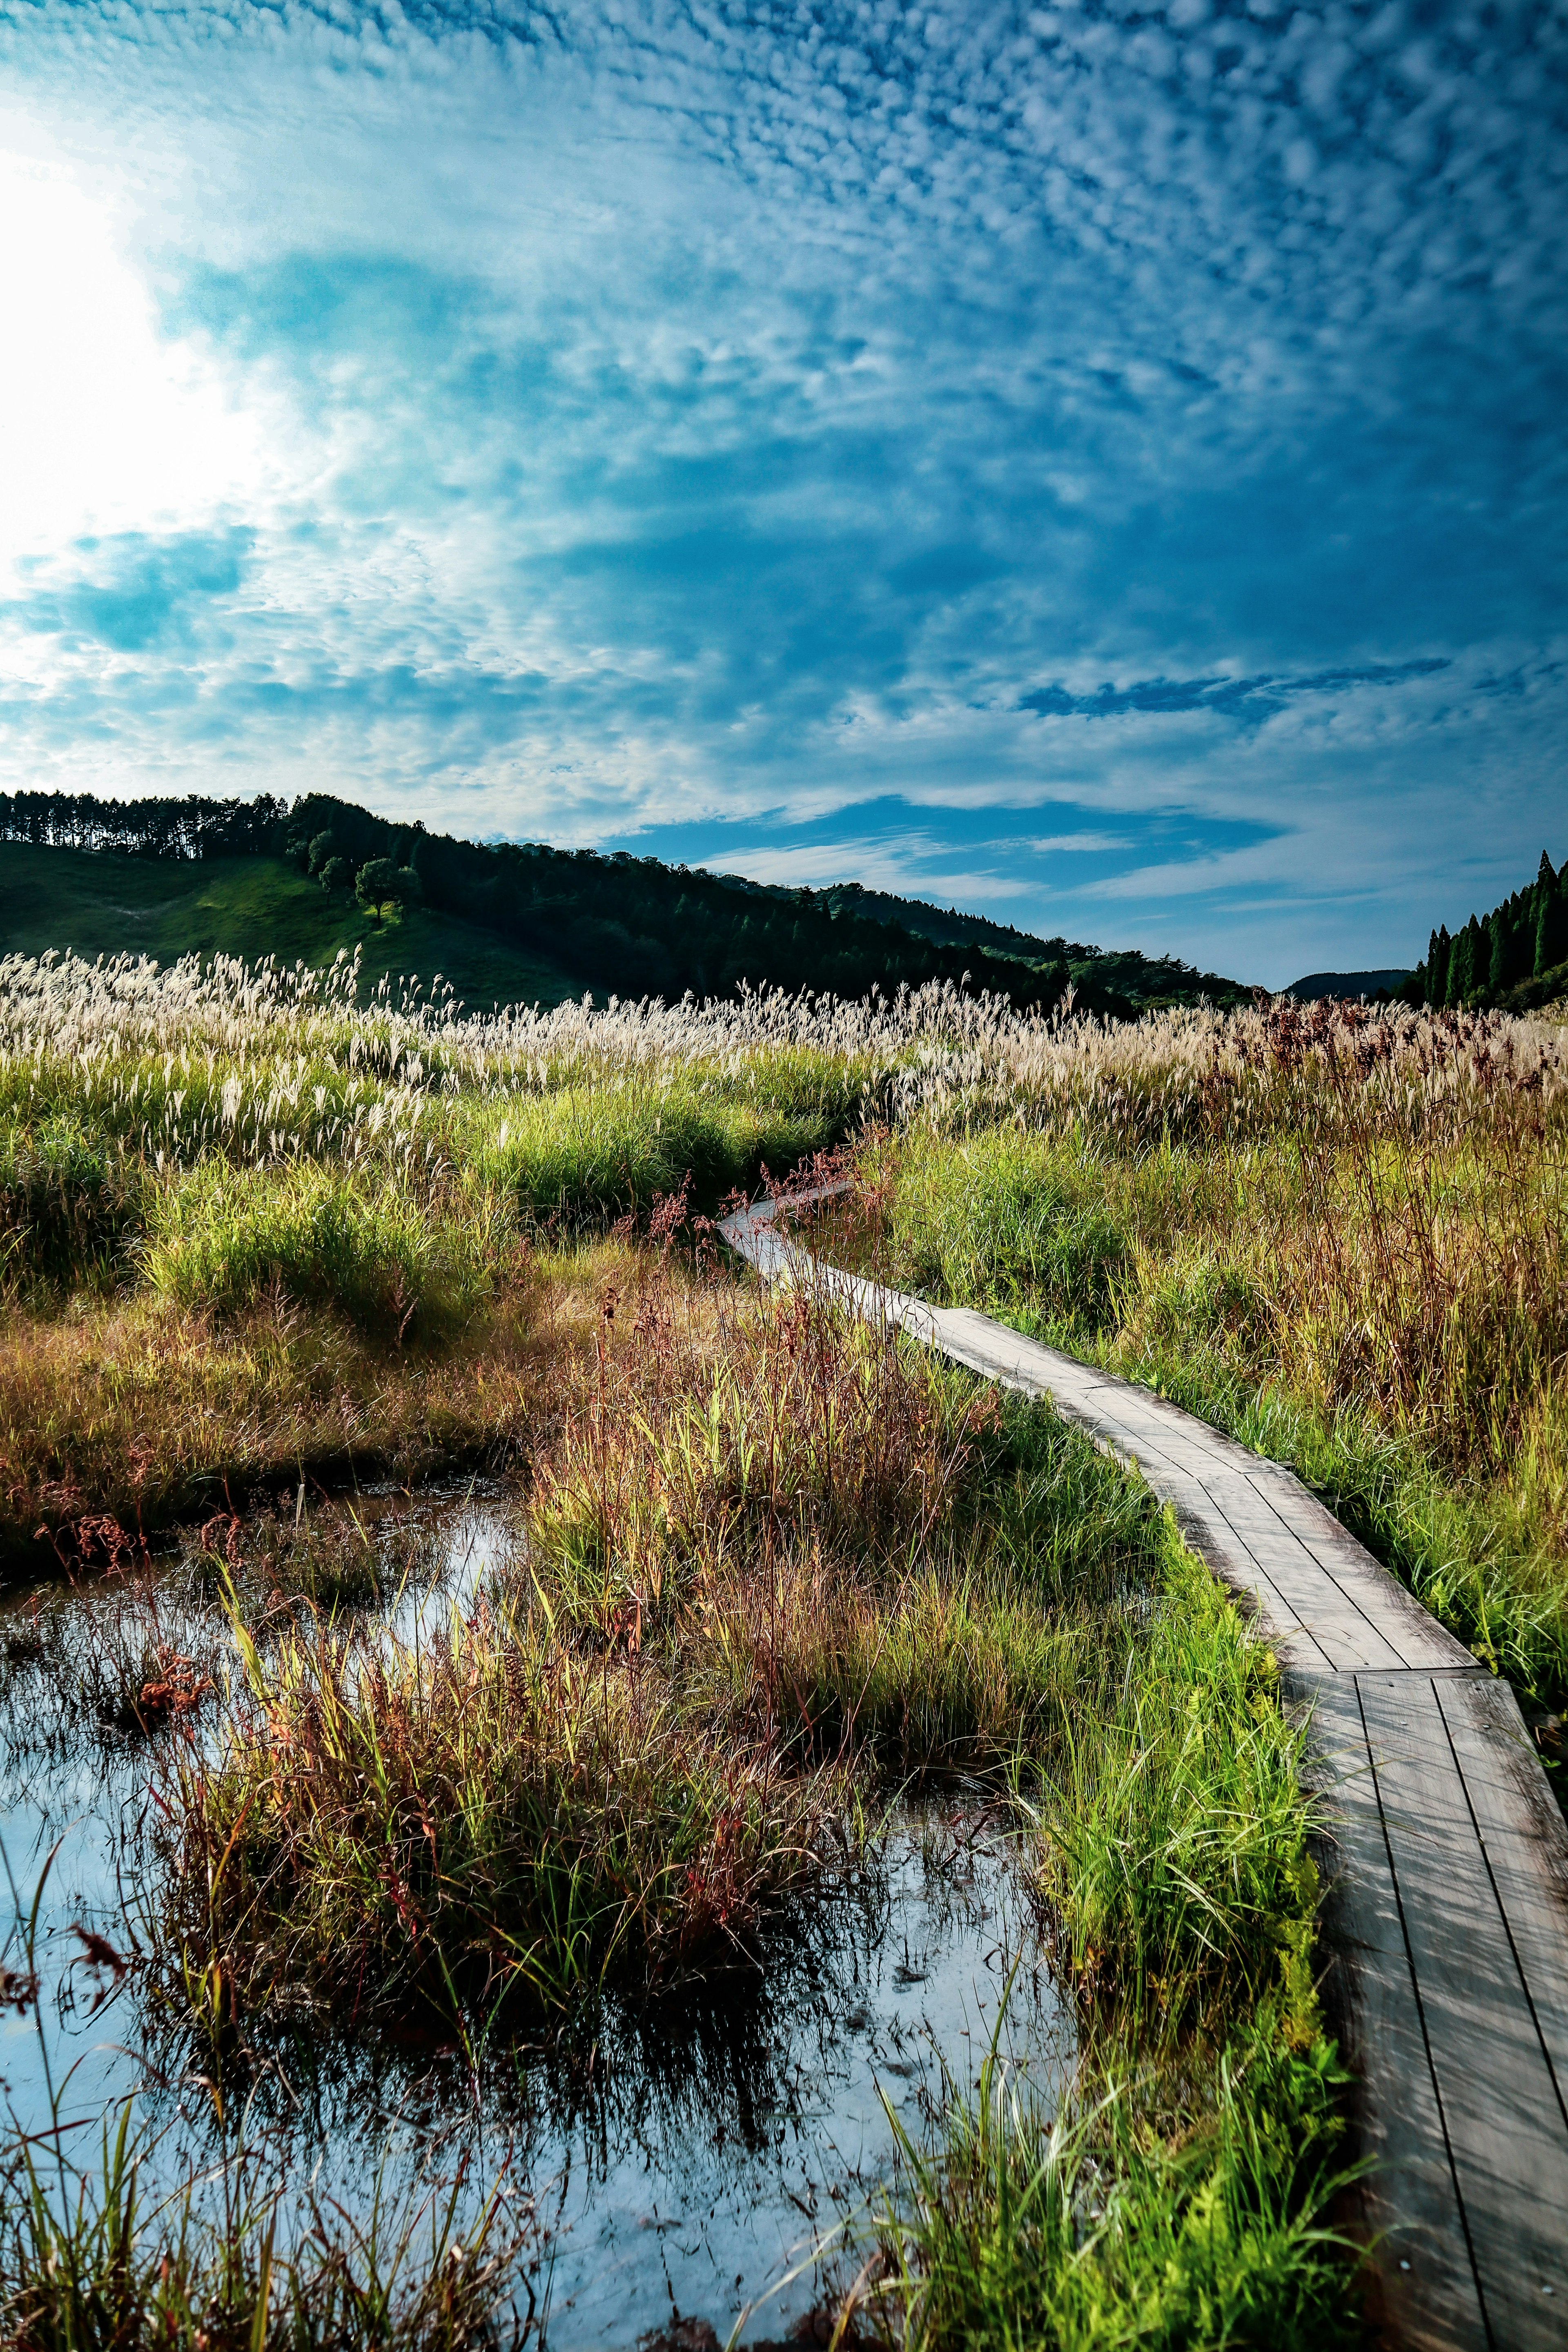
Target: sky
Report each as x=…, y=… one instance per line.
x=1103, y=467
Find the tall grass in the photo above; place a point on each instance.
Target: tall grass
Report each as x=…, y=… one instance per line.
x=95, y=2259
x=776, y=1567
x=1175, y=1835
x=773, y=1564
x=1103, y=2225
x=91, y=2260
x=1344, y=1243
x=225, y=1237
x=495, y=1815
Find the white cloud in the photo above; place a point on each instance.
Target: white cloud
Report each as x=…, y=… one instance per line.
x=689, y=417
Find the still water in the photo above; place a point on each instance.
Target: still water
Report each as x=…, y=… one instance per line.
x=674, y=2160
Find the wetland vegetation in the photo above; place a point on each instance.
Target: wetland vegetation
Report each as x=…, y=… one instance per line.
x=417, y=1863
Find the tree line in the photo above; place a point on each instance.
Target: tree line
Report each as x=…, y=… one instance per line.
x=636, y=927
x=193, y=827
x=1513, y=952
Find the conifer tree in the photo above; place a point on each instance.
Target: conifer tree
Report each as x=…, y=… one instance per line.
x=1551, y=929
x=1437, y=967
x=1461, y=965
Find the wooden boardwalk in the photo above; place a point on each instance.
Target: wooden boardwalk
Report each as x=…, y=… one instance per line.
x=1448, y=1915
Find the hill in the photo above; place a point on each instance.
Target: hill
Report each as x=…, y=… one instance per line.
x=1349, y=985
x=506, y=919
x=1120, y=980
x=102, y=902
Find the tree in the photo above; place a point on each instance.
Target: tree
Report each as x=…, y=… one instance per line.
x=336, y=873
x=376, y=886
x=1552, y=929
x=1437, y=967
x=1462, y=964
x=321, y=848
x=380, y=884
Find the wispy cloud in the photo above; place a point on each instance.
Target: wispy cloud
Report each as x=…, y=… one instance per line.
x=633, y=422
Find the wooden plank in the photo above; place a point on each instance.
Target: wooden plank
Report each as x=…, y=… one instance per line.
x=1525, y=1840
x=1207, y=1532
x=1495, y=2083
x=1411, y=1630
x=1349, y=1637
x=1178, y=1432
x=1148, y=1423
x=1424, y=2294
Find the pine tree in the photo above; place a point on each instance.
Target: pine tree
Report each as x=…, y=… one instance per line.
x=1461, y=965
x=1552, y=929
x=1437, y=967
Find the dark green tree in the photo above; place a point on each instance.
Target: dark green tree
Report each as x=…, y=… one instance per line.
x=336, y=873
x=1437, y=967
x=1462, y=964
x=1551, y=929
x=377, y=885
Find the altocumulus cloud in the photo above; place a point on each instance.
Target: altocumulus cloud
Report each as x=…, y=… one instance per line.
x=1100, y=462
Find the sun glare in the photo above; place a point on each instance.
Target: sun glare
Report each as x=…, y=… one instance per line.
x=105, y=424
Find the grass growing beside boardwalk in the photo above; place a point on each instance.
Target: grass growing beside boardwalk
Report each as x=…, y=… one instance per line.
x=1098, y=2227
x=774, y=1565
x=1340, y=1237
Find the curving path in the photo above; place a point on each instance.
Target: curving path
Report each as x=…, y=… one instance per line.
x=1448, y=1916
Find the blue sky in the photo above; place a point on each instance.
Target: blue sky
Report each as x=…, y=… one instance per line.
x=1104, y=465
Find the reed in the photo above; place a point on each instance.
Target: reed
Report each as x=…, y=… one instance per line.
x=1343, y=1241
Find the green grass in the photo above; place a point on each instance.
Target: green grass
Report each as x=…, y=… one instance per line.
x=773, y=1567
x=1389, y=1319
x=777, y=1565
x=92, y=2261
x=582, y=1155
x=368, y=1247
x=1095, y=2227
x=99, y=903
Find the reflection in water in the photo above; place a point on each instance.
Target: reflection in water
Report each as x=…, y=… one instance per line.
x=676, y=2159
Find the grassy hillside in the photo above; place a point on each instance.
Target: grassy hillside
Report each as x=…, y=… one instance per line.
x=101, y=904
x=630, y=926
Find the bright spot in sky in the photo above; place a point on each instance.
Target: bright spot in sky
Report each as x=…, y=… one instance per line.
x=1109, y=473
x=105, y=424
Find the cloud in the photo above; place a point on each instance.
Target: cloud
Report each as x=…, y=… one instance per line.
x=643, y=420
x=131, y=593
x=1254, y=698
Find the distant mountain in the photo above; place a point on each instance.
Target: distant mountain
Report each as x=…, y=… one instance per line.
x=1348, y=984
x=562, y=921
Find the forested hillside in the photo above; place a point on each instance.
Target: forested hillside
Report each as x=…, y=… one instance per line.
x=1515, y=956
x=620, y=925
